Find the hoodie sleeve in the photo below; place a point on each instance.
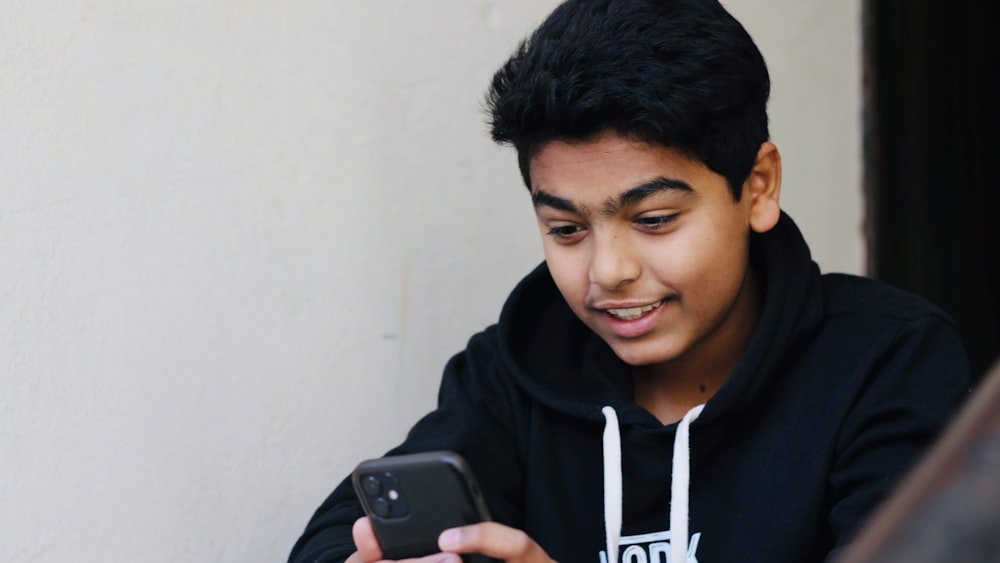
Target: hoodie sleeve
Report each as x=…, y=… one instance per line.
x=473, y=418
x=916, y=379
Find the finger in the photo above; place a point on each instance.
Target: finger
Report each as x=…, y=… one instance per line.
x=493, y=540
x=436, y=558
x=364, y=539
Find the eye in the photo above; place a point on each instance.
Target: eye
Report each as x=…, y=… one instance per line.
x=565, y=233
x=655, y=221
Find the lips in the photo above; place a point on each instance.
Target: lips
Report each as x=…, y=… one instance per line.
x=633, y=322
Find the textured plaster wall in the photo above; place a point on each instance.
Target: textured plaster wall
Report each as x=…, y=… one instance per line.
x=239, y=240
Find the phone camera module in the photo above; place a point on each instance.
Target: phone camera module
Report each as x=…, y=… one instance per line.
x=383, y=495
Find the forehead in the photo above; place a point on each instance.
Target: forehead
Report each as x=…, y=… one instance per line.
x=606, y=167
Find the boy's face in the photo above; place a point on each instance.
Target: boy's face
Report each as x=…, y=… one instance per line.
x=649, y=248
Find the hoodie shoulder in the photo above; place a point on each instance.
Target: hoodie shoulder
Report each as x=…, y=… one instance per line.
x=854, y=295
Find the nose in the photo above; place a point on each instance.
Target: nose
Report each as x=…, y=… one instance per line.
x=613, y=263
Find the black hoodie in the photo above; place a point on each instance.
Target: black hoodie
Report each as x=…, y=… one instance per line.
x=843, y=384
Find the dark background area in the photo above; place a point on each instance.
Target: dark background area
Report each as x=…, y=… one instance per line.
x=932, y=153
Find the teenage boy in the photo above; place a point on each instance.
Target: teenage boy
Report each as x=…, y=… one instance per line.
x=677, y=382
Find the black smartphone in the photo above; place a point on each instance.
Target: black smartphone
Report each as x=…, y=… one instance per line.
x=411, y=499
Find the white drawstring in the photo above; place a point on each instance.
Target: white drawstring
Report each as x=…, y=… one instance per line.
x=680, y=488
x=679, y=485
x=612, y=483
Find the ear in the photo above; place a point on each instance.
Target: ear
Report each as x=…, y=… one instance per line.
x=762, y=189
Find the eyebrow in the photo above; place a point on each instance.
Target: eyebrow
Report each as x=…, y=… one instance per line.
x=655, y=186
x=630, y=197
x=542, y=198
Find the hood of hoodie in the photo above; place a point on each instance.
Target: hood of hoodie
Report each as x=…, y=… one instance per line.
x=538, y=331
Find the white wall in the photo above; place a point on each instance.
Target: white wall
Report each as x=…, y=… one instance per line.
x=813, y=51
x=239, y=240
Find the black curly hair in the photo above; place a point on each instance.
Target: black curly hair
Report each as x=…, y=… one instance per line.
x=678, y=73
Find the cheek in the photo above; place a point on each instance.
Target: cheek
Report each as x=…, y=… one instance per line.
x=702, y=266
x=687, y=258
x=724, y=270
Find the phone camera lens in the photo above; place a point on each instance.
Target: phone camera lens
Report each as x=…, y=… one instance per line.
x=371, y=485
x=381, y=507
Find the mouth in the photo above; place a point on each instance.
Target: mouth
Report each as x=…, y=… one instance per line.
x=633, y=313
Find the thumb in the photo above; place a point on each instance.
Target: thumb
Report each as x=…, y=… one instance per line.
x=364, y=539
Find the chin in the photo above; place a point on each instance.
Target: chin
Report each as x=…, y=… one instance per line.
x=636, y=357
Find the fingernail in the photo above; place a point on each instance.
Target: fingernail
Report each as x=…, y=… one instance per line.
x=449, y=558
x=450, y=539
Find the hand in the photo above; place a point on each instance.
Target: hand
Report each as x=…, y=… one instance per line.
x=493, y=540
x=488, y=538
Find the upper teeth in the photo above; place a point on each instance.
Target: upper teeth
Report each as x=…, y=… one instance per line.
x=633, y=312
